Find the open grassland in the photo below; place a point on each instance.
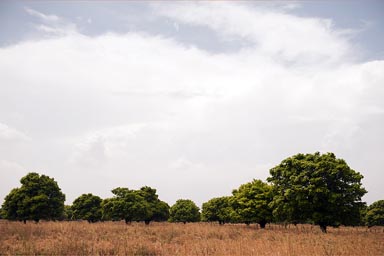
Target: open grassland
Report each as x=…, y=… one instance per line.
x=111, y=238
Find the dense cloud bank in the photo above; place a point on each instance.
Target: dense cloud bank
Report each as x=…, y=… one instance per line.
x=133, y=108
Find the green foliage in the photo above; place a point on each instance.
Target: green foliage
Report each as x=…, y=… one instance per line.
x=184, y=210
x=39, y=197
x=158, y=210
x=135, y=205
x=251, y=202
x=218, y=209
x=161, y=211
x=87, y=207
x=374, y=215
x=126, y=205
x=68, y=213
x=317, y=188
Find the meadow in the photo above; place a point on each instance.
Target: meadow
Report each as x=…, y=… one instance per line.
x=117, y=238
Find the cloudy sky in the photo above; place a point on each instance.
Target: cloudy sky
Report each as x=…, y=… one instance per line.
x=191, y=98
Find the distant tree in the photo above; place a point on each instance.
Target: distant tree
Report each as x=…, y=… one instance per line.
x=68, y=213
x=126, y=205
x=317, y=188
x=161, y=211
x=108, y=211
x=251, y=202
x=184, y=210
x=218, y=209
x=157, y=209
x=87, y=207
x=374, y=215
x=135, y=205
x=39, y=197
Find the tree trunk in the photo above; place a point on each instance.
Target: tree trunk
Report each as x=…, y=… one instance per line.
x=262, y=224
x=25, y=221
x=323, y=228
x=147, y=222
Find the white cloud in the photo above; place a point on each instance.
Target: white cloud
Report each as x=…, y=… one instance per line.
x=11, y=173
x=42, y=16
x=52, y=24
x=9, y=134
x=97, y=147
x=136, y=109
x=279, y=35
x=184, y=164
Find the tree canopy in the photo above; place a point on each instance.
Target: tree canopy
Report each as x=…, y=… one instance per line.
x=218, y=209
x=87, y=207
x=317, y=188
x=184, y=210
x=251, y=202
x=135, y=205
x=374, y=215
x=39, y=197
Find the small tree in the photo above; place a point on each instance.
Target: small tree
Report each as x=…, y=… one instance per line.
x=39, y=197
x=374, y=215
x=218, y=209
x=87, y=207
x=251, y=202
x=317, y=188
x=184, y=210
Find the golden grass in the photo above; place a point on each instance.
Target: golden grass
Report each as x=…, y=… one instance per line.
x=117, y=238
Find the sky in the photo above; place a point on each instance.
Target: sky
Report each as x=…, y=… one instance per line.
x=193, y=98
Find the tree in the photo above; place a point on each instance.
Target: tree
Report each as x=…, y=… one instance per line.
x=374, y=215
x=158, y=210
x=126, y=205
x=87, y=207
x=135, y=205
x=161, y=211
x=317, y=188
x=251, y=202
x=218, y=209
x=184, y=210
x=39, y=197
x=68, y=213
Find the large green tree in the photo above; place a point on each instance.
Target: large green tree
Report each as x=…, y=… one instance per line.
x=317, y=188
x=374, y=215
x=87, y=207
x=39, y=197
x=218, y=209
x=184, y=210
x=251, y=202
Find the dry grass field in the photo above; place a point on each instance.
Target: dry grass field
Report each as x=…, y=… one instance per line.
x=117, y=238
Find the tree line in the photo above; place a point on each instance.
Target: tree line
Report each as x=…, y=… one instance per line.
x=318, y=189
